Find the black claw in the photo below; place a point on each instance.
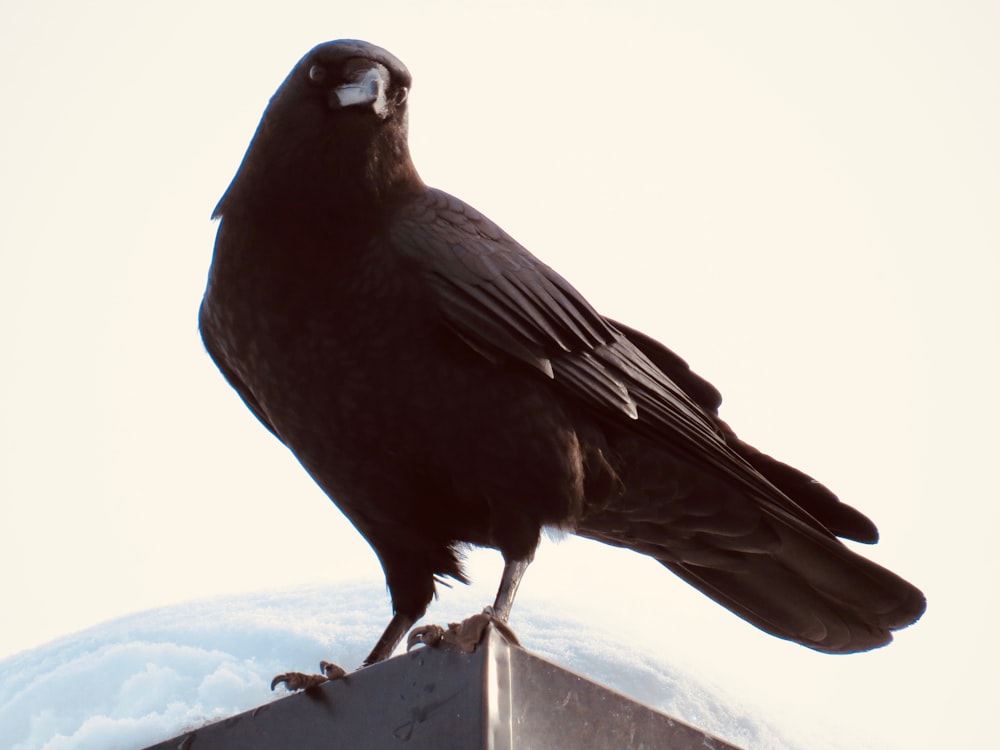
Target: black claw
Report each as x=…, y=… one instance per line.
x=300, y=681
x=426, y=635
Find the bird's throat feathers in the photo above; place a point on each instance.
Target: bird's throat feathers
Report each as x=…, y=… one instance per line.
x=308, y=168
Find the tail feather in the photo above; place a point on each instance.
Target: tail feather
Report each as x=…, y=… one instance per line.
x=817, y=593
x=784, y=573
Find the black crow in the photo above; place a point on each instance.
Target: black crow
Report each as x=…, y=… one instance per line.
x=446, y=388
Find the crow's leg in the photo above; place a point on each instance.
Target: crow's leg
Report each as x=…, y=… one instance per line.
x=391, y=637
x=513, y=572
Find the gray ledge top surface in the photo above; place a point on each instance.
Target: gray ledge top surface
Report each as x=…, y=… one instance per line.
x=499, y=697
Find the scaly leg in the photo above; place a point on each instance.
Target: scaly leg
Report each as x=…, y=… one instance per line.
x=513, y=572
x=391, y=637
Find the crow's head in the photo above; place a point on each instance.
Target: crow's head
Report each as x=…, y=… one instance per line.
x=335, y=129
x=349, y=76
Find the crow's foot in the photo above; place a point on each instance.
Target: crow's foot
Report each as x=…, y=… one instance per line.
x=425, y=635
x=301, y=681
x=464, y=636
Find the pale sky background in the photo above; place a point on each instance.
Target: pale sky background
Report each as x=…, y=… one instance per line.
x=800, y=199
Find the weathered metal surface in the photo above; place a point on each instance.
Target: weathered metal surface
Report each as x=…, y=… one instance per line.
x=499, y=698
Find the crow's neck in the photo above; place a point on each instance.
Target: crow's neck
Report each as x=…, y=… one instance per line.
x=371, y=171
x=355, y=179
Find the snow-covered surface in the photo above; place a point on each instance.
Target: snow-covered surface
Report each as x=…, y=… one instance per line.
x=144, y=678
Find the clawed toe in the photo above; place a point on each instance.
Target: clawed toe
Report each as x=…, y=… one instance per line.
x=301, y=681
x=331, y=670
x=425, y=635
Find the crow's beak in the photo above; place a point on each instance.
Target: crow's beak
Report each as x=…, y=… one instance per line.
x=366, y=90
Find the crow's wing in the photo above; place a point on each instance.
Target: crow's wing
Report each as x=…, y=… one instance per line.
x=698, y=389
x=806, y=492
x=507, y=305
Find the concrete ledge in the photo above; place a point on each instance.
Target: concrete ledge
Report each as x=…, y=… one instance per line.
x=501, y=697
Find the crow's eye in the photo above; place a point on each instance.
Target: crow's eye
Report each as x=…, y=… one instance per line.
x=317, y=74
